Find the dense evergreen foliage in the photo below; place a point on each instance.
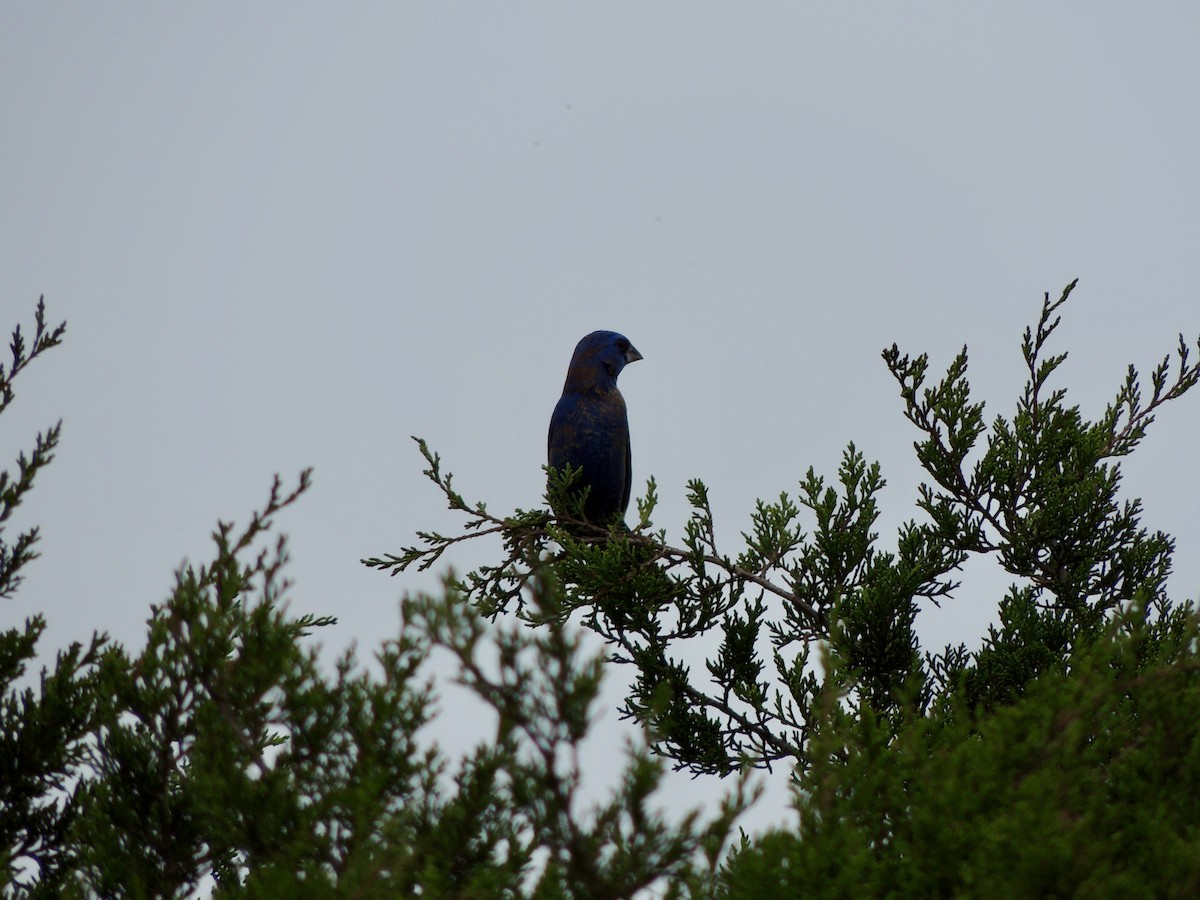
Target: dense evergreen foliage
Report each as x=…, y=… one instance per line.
x=1060, y=759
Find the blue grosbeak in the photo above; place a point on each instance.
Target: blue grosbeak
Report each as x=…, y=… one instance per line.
x=590, y=430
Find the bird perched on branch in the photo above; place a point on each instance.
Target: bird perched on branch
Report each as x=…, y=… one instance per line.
x=590, y=430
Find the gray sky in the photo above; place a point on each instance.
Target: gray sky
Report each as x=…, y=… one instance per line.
x=294, y=234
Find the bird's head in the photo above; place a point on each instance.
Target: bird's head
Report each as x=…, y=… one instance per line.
x=599, y=357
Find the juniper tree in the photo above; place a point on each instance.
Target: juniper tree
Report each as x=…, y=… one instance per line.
x=42, y=728
x=1087, y=784
x=1058, y=758
x=226, y=758
x=1038, y=491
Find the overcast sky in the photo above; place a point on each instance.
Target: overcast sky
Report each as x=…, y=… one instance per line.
x=292, y=234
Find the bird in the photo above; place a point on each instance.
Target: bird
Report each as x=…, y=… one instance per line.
x=589, y=429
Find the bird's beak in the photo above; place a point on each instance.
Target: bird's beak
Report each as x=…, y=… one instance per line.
x=631, y=355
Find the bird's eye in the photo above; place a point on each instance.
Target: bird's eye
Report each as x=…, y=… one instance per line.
x=622, y=345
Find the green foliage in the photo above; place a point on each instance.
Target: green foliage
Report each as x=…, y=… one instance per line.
x=225, y=758
x=1088, y=785
x=1043, y=499
x=1057, y=759
x=1060, y=758
x=230, y=755
x=43, y=730
x=14, y=556
x=1038, y=491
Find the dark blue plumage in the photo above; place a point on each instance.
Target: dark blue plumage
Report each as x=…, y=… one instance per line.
x=590, y=429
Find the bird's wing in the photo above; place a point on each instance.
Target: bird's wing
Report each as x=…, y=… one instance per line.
x=628, y=476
